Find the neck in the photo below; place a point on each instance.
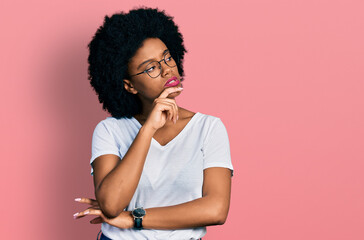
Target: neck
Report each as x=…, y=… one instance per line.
x=147, y=107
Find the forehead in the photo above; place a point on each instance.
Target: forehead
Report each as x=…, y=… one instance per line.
x=151, y=48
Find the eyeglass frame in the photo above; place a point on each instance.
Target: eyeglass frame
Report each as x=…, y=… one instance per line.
x=160, y=66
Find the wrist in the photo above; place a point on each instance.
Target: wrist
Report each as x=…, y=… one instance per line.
x=130, y=220
x=147, y=131
x=138, y=214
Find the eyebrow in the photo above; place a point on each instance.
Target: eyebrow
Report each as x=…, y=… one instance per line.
x=151, y=59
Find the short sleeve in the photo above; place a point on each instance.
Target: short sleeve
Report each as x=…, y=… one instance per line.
x=103, y=142
x=216, y=147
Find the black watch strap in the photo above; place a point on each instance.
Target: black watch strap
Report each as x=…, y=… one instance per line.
x=138, y=223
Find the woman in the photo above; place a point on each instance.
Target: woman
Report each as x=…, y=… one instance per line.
x=160, y=171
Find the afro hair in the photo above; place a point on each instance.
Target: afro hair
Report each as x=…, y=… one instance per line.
x=115, y=43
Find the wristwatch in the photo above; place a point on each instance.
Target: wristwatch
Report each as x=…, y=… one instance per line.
x=138, y=215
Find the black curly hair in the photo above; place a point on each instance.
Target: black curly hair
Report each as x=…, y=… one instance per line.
x=116, y=42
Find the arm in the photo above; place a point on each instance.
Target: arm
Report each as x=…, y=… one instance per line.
x=115, y=181
x=211, y=209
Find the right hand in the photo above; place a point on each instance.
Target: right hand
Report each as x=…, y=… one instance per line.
x=163, y=108
x=123, y=220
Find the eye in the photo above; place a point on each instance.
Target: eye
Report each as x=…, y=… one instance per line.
x=150, y=69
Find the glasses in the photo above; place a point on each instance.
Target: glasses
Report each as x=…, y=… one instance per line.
x=154, y=69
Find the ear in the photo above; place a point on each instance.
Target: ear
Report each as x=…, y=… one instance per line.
x=129, y=86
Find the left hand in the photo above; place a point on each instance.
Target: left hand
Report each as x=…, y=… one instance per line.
x=124, y=220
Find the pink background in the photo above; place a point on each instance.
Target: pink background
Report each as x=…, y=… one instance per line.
x=286, y=78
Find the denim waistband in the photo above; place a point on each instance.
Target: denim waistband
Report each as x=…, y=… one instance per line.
x=103, y=237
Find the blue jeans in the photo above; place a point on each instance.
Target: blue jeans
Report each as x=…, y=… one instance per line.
x=103, y=237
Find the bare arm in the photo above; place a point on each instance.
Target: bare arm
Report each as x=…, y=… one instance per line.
x=115, y=181
x=211, y=209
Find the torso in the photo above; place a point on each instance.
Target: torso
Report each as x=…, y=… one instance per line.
x=169, y=131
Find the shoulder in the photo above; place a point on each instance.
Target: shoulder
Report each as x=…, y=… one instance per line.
x=105, y=123
x=206, y=126
x=111, y=123
x=213, y=127
x=209, y=120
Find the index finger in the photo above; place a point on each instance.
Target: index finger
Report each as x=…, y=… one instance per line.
x=86, y=200
x=169, y=90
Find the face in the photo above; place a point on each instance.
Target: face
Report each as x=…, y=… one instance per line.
x=146, y=87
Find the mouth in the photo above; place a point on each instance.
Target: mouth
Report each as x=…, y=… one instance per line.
x=173, y=81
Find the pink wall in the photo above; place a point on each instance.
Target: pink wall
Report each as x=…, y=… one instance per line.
x=286, y=78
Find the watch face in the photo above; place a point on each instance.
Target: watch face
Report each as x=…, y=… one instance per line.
x=138, y=212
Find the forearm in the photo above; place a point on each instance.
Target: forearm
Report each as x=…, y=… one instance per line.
x=200, y=212
x=117, y=188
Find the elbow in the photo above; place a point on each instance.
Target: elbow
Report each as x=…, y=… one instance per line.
x=219, y=214
x=220, y=218
x=109, y=210
x=108, y=207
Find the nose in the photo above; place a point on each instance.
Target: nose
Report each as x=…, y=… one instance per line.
x=165, y=69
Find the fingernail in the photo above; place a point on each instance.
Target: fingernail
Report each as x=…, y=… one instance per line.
x=179, y=88
x=75, y=215
x=77, y=199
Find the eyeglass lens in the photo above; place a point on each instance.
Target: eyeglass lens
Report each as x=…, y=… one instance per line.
x=154, y=68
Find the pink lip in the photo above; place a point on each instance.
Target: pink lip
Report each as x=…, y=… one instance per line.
x=175, y=83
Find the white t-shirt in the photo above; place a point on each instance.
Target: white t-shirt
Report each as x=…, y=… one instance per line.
x=172, y=174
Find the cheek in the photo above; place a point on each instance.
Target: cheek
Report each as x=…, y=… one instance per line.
x=176, y=71
x=150, y=90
